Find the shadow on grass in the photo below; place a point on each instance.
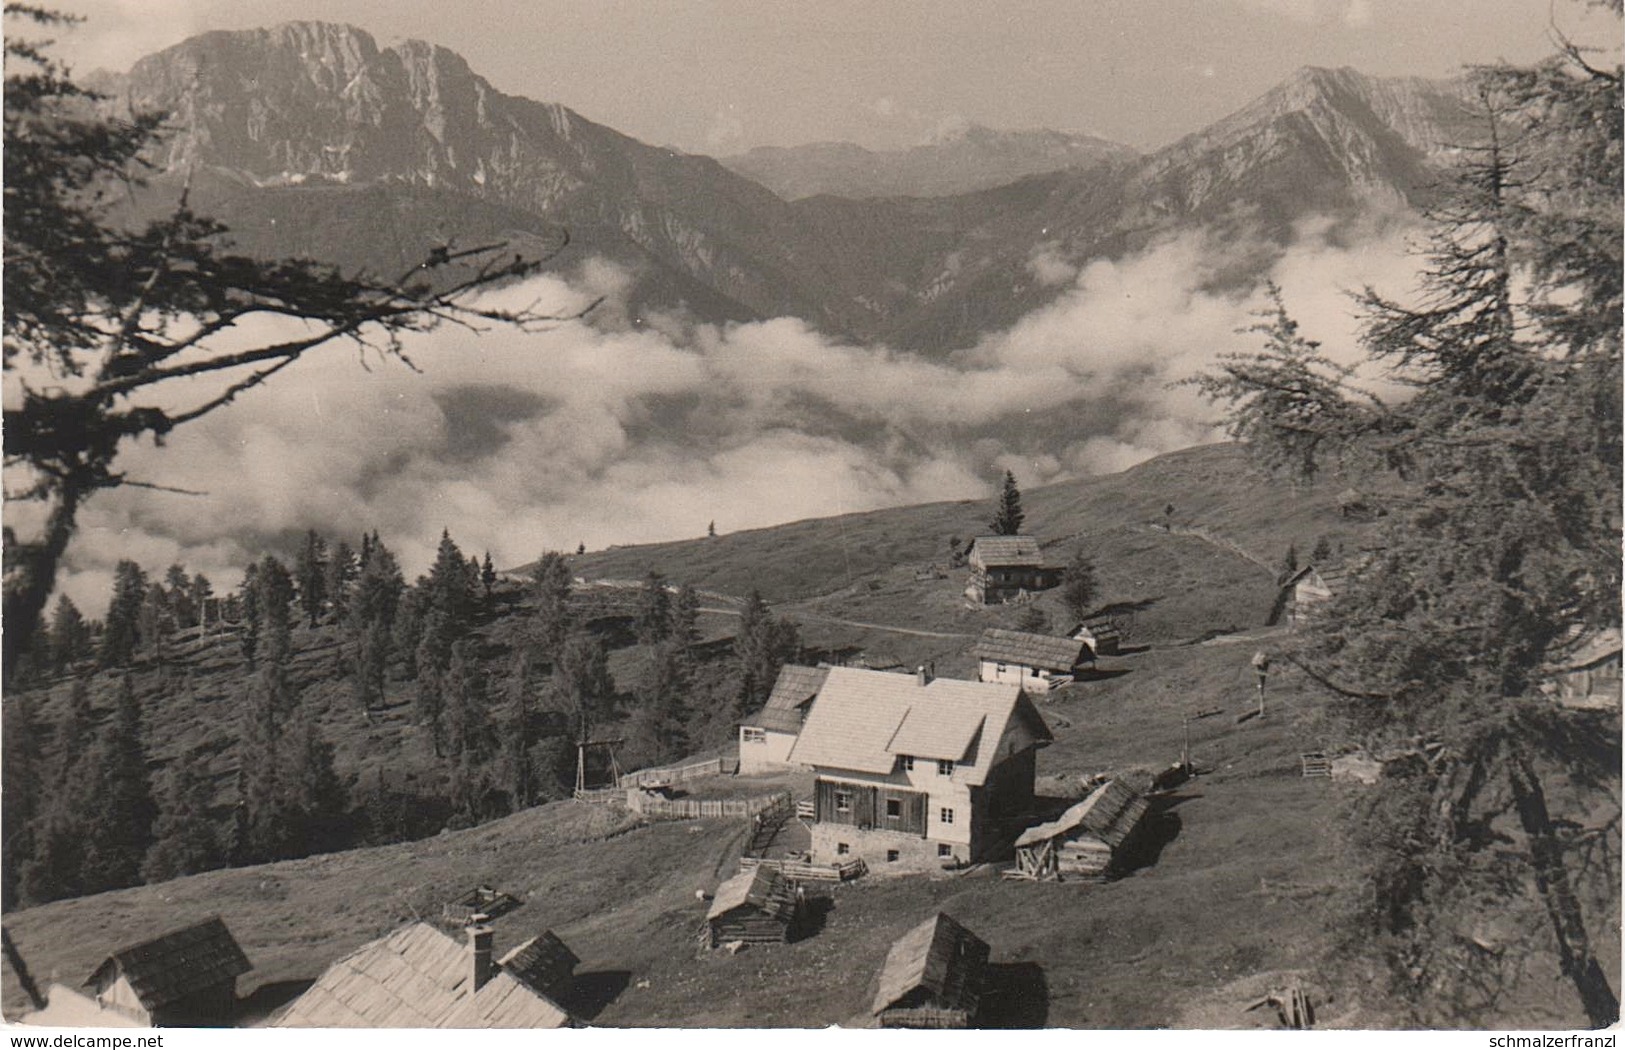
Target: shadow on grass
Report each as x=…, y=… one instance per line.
x=812, y=918
x=591, y=992
x=1160, y=827
x=265, y=1000
x=1099, y=674
x=1125, y=608
x=1016, y=995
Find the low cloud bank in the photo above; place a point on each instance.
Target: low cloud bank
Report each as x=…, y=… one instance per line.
x=621, y=433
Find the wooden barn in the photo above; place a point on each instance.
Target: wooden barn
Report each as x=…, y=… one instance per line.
x=933, y=977
x=755, y=907
x=419, y=977
x=1005, y=567
x=1307, y=589
x=1100, y=635
x=1589, y=675
x=1035, y=662
x=185, y=978
x=544, y=964
x=1085, y=842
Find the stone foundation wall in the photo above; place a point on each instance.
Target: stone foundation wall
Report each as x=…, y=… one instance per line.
x=875, y=845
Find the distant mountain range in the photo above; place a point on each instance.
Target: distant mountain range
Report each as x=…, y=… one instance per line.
x=307, y=138
x=964, y=160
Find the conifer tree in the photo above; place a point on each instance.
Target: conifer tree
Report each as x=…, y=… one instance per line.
x=119, y=825
x=178, y=586
x=1007, y=522
x=310, y=576
x=56, y=868
x=340, y=577
x=653, y=622
x=685, y=615
x=69, y=635
x=488, y=576
x=550, y=584
x=764, y=644
x=21, y=783
x=121, y=625
x=185, y=840
x=1078, y=585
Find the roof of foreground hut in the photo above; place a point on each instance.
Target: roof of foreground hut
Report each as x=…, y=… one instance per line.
x=177, y=964
x=1110, y=813
x=939, y=956
x=763, y=889
x=418, y=977
x=544, y=963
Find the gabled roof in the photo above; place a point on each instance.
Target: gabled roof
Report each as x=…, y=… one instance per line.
x=544, y=964
x=1100, y=628
x=417, y=977
x=177, y=964
x=796, y=687
x=864, y=720
x=1109, y=813
x=1029, y=650
x=1593, y=646
x=990, y=551
x=763, y=888
x=939, y=956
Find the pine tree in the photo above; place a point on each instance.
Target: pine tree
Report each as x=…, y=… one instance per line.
x=21, y=783
x=185, y=840
x=764, y=644
x=685, y=616
x=178, y=586
x=1078, y=585
x=551, y=623
x=653, y=622
x=120, y=627
x=70, y=634
x=310, y=576
x=1007, y=522
x=119, y=826
x=340, y=576
x=488, y=576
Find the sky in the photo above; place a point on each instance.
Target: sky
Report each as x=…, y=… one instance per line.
x=615, y=434
x=722, y=76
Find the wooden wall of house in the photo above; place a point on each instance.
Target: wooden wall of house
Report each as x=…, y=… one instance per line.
x=869, y=807
x=748, y=925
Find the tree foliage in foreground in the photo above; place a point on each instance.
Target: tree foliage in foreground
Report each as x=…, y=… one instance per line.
x=110, y=330
x=1503, y=832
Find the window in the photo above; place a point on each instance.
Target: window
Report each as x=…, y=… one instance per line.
x=842, y=849
x=894, y=808
x=908, y=763
x=753, y=736
x=945, y=767
x=944, y=850
x=946, y=816
x=892, y=855
x=843, y=801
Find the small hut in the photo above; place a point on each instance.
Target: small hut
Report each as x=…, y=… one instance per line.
x=185, y=978
x=933, y=977
x=754, y=907
x=481, y=900
x=1085, y=842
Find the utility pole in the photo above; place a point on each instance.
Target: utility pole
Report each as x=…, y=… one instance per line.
x=1261, y=664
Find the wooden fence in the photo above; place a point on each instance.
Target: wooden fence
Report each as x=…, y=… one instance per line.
x=801, y=871
x=673, y=774
x=693, y=809
x=601, y=796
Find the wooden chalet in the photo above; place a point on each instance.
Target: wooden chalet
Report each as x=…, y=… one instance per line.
x=1100, y=635
x=765, y=739
x=1006, y=567
x=420, y=977
x=184, y=978
x=757, y=906
x=915, y=772
x=1589, y=675
x=1085, y=842
x=1304, y=590
x=933, y=977
x=1035, y=662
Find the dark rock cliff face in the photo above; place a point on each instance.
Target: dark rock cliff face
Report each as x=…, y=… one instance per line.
x=309, y=107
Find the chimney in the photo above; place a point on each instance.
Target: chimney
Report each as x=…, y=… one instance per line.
x=479, y=950
x=922, y=675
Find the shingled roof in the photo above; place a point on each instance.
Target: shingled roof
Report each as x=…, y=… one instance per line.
x=864, y=720
x=544, y=964
x=763, y=888
x=796, y=687
x=992, y=551
x=938, y=959
x=418, y=977
x=175, y=965
x=1029, y=650
x=1110, y=813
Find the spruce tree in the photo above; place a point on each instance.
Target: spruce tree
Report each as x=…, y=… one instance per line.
x=764, y=644
x=56, y=867
x=119, y=826
x=1007, y=522
x=685, y=615
x=1078, y=585
x=340, y=576
x=185, y=840
x=120, y=627
x=488, y=576
x=310, y=576
x=69, y=636
x=551, y=623
x=21, y=784
x=653, y=622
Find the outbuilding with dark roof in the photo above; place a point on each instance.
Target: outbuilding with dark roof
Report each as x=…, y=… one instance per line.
x=184, y=978
x=933, y=977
